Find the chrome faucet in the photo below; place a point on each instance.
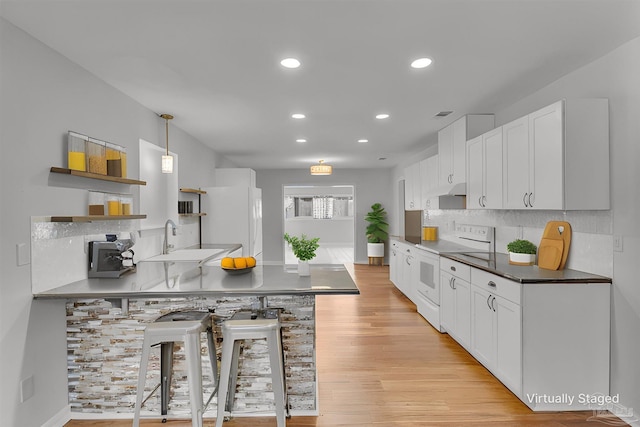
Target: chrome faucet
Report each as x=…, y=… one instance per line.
x=166, y=246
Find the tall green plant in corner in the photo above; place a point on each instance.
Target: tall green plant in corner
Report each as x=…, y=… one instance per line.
x=378, y=228
x=377, y=232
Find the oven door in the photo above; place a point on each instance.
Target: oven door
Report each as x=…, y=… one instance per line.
x=428, y=276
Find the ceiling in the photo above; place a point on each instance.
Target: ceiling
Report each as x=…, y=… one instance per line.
x=214, y=65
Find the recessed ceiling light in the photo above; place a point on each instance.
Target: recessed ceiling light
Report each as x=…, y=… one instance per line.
x=290, y=63
x=298, y=116
x=301, y=140
x=382, y=116
x=362, y=141
x=421, y=63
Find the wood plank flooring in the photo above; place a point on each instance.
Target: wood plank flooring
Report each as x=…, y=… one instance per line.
x=381, y=364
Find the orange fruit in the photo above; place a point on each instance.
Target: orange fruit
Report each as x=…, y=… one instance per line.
x=251, y=261
x=227, y=262
x=240, y=262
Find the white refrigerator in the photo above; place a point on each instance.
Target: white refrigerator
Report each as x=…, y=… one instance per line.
x=233, y=215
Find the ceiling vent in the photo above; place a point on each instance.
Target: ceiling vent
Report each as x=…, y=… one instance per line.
x=443, y=113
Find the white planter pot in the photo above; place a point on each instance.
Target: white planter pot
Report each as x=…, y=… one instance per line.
x=303, y=268
x=375, y=249
x=523, y=259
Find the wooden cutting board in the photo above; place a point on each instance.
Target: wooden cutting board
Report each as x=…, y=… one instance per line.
x=553, y=249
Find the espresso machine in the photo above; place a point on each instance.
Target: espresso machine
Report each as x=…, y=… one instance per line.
x=111, y=258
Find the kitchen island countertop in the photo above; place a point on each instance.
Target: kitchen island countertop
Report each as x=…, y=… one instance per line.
x=179, y=279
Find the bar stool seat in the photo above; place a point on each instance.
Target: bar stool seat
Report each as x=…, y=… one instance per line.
x=234, y=331
x=184, y=326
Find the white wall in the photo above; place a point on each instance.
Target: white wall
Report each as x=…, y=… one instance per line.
x=616, y=77
x=370, y=186
x=43, y=95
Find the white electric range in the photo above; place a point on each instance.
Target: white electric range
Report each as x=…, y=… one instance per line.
x=477, y=240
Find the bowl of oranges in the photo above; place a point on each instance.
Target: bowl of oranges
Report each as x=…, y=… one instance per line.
x=238, y=265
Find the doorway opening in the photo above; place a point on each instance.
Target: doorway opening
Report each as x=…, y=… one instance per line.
x=326, y=212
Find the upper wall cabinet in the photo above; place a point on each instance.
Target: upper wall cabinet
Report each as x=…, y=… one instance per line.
x=412, y=188
x=452, y=146
x=428, y=181
x=558, y=157
x=484, y=171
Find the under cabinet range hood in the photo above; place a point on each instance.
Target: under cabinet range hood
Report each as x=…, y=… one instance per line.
x=459, y=189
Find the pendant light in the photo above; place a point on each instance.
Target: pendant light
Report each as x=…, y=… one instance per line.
x=321, y=169
x=167, y=160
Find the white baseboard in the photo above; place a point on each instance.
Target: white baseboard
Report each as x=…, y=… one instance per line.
x=59, y=419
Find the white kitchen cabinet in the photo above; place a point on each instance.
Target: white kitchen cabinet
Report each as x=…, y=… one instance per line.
x=412, y=187
x=429, y=182
x=452, y=146
x=557, y=158
x=403, y=266
x=393, y=263
x=455, y=301
x=484, y=171
x=496, y=328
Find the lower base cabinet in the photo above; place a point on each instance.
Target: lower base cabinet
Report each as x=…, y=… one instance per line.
x=401, y=270
x=496, y=336
x=455, y=302
x=547, y=342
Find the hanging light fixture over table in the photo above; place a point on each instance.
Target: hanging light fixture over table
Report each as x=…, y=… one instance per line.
x=167, y=160
x=321, y=169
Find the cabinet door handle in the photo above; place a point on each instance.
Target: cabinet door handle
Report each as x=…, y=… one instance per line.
x=488, y=303
x=453, y=283
x=530, y=202
x=491, y=283
x=484, y=201
x=492, y=301
x=524, y=200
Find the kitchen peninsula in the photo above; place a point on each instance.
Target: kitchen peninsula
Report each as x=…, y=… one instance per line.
x=104, y=340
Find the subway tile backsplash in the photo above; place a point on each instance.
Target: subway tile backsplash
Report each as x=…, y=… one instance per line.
x=592, y=241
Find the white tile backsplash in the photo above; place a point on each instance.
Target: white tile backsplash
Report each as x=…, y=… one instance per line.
x=591, y=246
x=59, y=250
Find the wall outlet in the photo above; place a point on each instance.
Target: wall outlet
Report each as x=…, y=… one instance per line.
x=27, y=389
x=617, y=243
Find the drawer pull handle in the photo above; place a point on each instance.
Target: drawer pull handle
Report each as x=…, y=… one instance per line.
x=492, y=283
x=453, y=268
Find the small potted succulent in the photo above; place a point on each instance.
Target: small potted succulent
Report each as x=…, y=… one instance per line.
x=304, y=249
x=522, y=252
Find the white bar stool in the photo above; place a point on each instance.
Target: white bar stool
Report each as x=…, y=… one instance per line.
x=234, y=331
x=178, y=326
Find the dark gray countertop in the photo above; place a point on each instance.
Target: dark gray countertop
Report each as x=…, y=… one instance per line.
x=499, y=265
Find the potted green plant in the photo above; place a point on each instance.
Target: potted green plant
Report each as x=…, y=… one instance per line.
x=377, y=230
x=522, y=252
x=304, y=249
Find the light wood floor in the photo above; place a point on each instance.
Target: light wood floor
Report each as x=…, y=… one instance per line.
x=380, y=364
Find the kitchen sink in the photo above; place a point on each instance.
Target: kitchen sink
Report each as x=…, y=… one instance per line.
x=186, y=255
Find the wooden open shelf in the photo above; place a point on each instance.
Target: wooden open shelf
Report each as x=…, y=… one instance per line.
x=192, y=190
x=90, y=218
x=97, y=176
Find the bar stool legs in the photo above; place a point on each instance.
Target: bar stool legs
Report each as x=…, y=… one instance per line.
x=185, y=327
x=234, y=331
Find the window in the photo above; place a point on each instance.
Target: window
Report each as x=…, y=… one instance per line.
x=318, y=207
